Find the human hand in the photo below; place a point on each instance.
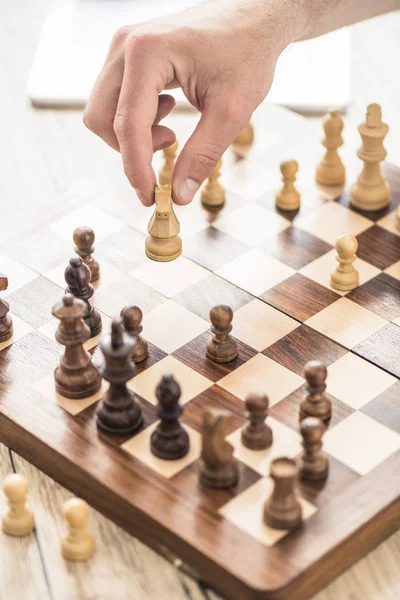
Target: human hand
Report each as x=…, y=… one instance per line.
x=222, y=54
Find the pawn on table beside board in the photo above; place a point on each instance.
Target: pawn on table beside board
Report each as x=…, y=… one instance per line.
x=76, y=377
x=371, y=191
x=222, y=347
x=84, y=239
x=213, y=194
x=78, y=543
x=169, y=155
x=169, y=440
x=282, y=510
x=345, y=277
x=6, y=325
x=316, y=403
x=256, y=434
x=132, y=319
x=218, y=467
x=77, y=277
x=163, y=242
x=119, y=411
x=288, y=198
x=18, y=520
x=330, y=170
x=314, y=463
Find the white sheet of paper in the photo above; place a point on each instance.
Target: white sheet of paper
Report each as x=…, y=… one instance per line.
x=312, y=75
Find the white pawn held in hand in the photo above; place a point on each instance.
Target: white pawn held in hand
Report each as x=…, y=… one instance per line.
x=18, y=520
x=346, y=276
x=78, y=544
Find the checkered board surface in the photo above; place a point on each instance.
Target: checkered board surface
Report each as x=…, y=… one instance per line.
x=273, y=270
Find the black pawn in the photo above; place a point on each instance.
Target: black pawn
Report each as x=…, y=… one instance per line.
x=169, y=440
x=132, y=318
x=256, y=434
x=222, y=347
x=77, y=278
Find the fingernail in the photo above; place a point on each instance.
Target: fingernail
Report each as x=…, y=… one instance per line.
x=187, y=189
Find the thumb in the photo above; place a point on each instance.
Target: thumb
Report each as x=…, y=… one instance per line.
x=217, y=128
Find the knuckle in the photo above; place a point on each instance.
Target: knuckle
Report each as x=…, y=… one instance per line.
x=206, y=157
x=120, y=125
x=235, y=113
x=139, y=42
x=120, y=35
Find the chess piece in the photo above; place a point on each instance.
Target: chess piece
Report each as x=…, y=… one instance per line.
x=165, y=173
x=77, y=277
x=78, y=544
x=345, y=277
x=243, y=141
x=222, y=347
x=282, y=509
x=132, y=319
x=84, y=240
x=6, y=326
x=163, y=242
x=314, y=463
x=119, y=412
x=169, y=440
x=218, y=468
x=256, y=434
x=330, y=170
x=18, y=519
x=371, y=191
x=76, y=376
x=316, y=403
x=288, y=198
x=213, y=194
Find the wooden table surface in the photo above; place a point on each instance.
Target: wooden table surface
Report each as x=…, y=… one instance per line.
x=42, y=155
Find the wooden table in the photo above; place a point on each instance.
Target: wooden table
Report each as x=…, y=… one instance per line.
x=42, y=155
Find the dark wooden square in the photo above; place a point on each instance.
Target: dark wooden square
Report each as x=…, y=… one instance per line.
x=295, y=247
x=212, y=248
x=301, y=345
x=209, y=292
x=287, y=410
x=299, y=297
x=382, y=349
x=339, y=478
x=380, y=295
x=214, y=397
x=385, y=408
x=193, y=354
x=379, y=247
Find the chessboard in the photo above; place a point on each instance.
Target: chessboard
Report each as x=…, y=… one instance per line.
x=272, y=269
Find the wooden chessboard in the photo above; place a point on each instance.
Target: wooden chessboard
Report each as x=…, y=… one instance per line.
x=273, y=270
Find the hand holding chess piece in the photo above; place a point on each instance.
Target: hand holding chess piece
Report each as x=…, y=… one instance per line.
x=163, y=242
x=222, y=347
x=316, y=403
x=84, y=240
x=282, y=509
x=18, y=519
x=78, y=544
x=330, y=170
x=345, y=277
x=288, y=198
x=165, y=173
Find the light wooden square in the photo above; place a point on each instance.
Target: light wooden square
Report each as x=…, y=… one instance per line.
x=170, y=326
x=18, y=274
x=249, y=178
x=251, y=224
x=102, y=223
x=260, y=325
x=320, y=270
x=47, y=388
x=255, y=272
x=139, y=447
x=355, y=381
x=20, y=329
x=361, y=443
x=394, y=270
x=191, y=383
x=246, y=512
x=333, y=220
x=397, y=321
x=49, y=329
x=346, y=322
x=170, y=278
x=286, y=442
x=261, y=374
x=389, y=223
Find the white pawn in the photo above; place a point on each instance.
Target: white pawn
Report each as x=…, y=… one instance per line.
x=213, y=194
x=346, y=276
x=288, y=198
x=19, y=519
x=78, y=544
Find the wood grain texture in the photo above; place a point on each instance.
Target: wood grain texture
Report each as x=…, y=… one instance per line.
x=383, y=349
x=308, y=247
